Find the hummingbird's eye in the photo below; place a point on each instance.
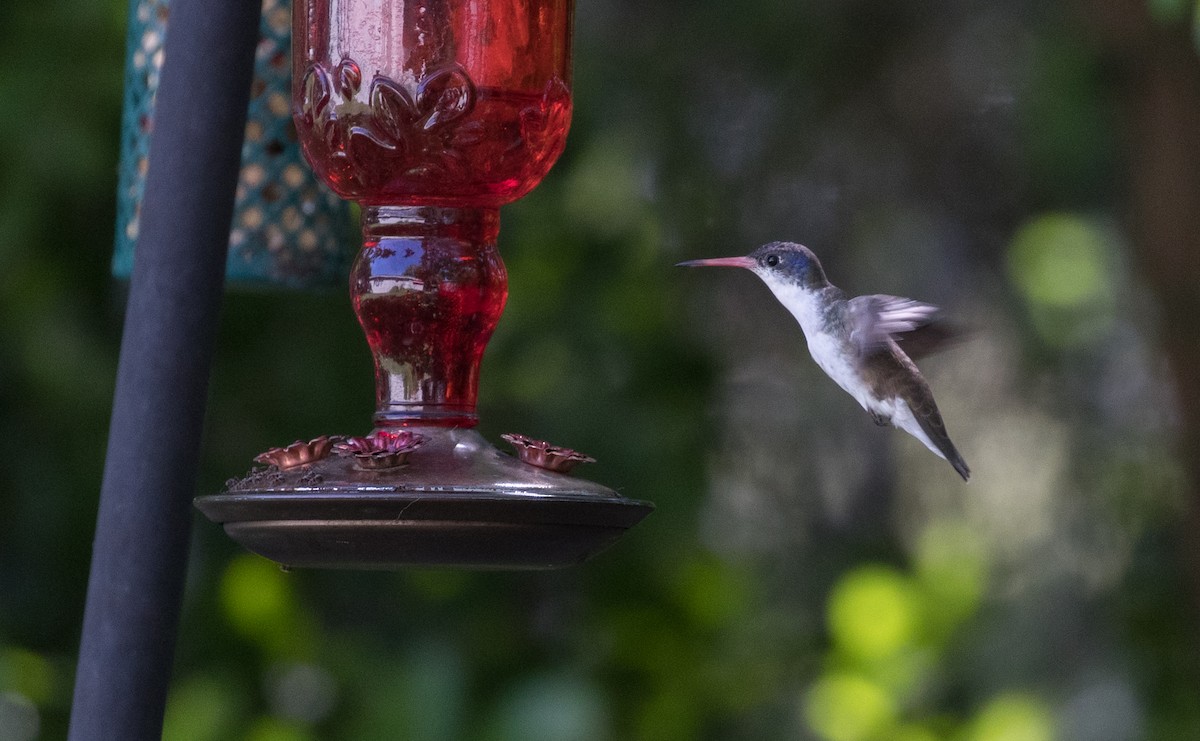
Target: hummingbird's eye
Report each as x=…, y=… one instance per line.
x=772, y=260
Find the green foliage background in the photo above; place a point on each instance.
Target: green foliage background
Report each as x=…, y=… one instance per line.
x=806, y=575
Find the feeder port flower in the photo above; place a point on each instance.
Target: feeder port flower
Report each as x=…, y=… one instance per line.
x=544, y=455
x=380, y=449
x=297, y=454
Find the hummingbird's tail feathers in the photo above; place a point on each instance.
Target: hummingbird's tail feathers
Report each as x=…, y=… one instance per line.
x=957, y=461
x=934, y=435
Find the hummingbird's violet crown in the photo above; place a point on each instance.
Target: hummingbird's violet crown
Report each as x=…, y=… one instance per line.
x=789, y=262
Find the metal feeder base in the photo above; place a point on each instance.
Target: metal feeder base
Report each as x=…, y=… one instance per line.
x=457, y=502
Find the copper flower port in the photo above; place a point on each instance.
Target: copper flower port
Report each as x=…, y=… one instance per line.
x=380, y=449
x=297, y=454
x=544, y=455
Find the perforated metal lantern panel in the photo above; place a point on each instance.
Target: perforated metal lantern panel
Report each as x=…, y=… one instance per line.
x=289, y=229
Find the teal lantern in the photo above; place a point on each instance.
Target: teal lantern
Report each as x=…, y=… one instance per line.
x=288, y=228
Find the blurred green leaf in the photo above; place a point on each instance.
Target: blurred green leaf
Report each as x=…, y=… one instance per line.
x=274, y=729
x=1013, y=717
x=667, y=715
x=848, y=707
x=714, y=592
x=951, y=567
x=912, y=732
x=873, y=613
x=1061, y=263
x=203, y=708
x=258, y=600
x=27, y=673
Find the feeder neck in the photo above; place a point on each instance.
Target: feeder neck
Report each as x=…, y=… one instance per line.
x=428, y=287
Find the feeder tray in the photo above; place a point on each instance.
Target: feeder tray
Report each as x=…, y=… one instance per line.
x=457, y=502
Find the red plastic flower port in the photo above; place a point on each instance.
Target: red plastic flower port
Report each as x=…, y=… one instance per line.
x=297, y=454
x=544, y=455
x=380, y=449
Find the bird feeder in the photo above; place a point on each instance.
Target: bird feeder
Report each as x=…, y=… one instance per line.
x=431, y=114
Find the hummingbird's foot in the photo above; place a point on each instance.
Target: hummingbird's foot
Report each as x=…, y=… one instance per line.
x=881, y=419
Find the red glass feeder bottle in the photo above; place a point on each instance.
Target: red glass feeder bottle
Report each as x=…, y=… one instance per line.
x=431, y=114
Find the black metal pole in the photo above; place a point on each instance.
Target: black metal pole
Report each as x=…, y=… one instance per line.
x=139, y=556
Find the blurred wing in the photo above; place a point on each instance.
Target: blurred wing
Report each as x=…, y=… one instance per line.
x=877, y=318
x=933, y=337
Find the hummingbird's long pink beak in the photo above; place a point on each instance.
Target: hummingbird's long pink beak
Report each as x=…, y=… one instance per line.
x=718, y=262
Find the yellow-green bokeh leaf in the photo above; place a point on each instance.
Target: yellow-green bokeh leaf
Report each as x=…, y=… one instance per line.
x=903, y=673
x=275, y=729
x=712, y=591
x=28, y=673
x=1061, y=264
x=1059, y=260
x=872, y=613
x=255, y=594
x=202, y=708
x=912, y=732
x=951, y=566
x=258, y=600
x=1013, y=717
x=848, y=707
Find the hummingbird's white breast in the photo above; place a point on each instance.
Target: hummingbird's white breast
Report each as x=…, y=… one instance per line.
x=830, y=352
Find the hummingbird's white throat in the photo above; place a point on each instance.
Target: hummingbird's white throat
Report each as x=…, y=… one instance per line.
x=803, y=303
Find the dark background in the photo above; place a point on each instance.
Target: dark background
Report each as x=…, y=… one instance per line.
x=1032, y=167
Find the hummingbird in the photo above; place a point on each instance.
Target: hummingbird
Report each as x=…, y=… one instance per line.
x=854, y=340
